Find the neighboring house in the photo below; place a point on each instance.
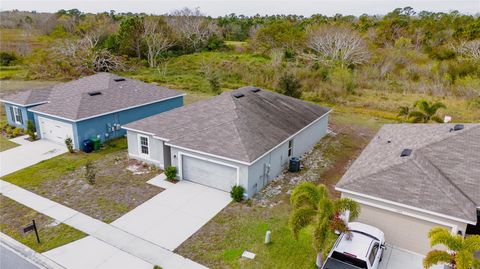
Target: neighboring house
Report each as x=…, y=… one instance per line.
x=93, y=106
x=244, y=137
x=412, y=177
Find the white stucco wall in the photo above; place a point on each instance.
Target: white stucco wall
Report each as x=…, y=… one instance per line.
x=156, y=148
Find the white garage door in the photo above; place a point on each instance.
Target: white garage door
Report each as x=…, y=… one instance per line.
x=209, y=173
x=54, y=130
x=400, y=230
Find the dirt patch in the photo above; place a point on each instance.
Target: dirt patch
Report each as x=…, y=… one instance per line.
x=120, y=186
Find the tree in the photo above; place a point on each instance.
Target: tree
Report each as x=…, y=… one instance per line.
x=470, y=49
x=130, y=34
x=425, y=112
x=279, y=35
x=313, y=207
x=460, y=253
x=404, y=112
x=90, y=172
x=289, y=85
x=158, y=39
x=337, y=45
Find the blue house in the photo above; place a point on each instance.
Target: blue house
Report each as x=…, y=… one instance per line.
x=94, y=106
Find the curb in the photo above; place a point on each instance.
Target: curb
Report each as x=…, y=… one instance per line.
x=28, y=253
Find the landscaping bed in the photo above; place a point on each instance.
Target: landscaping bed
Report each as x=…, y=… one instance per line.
x=14, y=217
x=120, y=184
x=242, y=226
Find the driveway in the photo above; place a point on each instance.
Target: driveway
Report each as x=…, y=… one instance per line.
x=395, y=258
x=27, y=154
x=175, y=214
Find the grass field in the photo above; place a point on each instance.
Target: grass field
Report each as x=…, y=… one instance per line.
x=15, y=216
x=6, y=144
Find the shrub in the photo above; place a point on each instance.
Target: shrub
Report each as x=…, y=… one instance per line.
x=171, y=173
x=214, y=84
x=69, y=144
x=7, y=58
x=90, y=172
x=31, y=130
x=16, y=132
x=289, y=85
x=237, y=193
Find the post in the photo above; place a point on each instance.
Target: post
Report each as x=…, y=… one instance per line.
x=319, y=261
x=36, y=232
x=267, y=237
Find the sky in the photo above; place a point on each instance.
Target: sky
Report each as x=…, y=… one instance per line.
x=246, y=7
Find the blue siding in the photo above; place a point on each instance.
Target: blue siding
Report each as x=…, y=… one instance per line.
x=98, y=126
x=25, y=116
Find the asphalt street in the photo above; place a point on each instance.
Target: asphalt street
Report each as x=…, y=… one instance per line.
x=11, y=260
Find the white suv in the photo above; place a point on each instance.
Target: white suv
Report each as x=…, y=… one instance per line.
x=362, y=248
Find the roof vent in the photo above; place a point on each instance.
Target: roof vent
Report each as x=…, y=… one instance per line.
x=238, y=95
x=94, y=93
x=119, y=79
x=255, y=90
x=458, y=127
x=406, y=152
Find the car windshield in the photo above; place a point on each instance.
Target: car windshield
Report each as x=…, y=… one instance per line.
x=346, y=261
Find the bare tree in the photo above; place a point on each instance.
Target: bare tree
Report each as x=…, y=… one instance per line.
x=333, y=44
x=470, y=49
x=192, y=26
x=157, y=38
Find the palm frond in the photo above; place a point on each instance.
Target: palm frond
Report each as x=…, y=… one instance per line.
x=301, y=218
x=437, y=119
x=417, y=116
x=306, y=194
x=472, y=243
x=321, y=233
x=435, y=257
x=436, y=106
x=464, y=260
x=442, y=236
x=326, y=209
x=347, y=204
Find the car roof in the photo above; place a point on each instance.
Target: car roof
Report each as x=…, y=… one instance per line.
x=360, y=241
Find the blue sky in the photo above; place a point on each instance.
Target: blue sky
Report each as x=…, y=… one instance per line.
x=247, y=7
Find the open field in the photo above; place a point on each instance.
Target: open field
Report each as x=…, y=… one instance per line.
x=120, y=184
x=15, y=216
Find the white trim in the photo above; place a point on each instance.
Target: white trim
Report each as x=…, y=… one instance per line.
x=107, y=113
x=404, y=205
x=139, y=139
x=16, y=111
x=180, y=163
x=138, y=131
x=250, y=163
x=23, y=105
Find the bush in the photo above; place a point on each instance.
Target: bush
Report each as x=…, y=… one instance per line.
x=16, y=132
x=214, y=84
x=237, y=193
x=171, y=173
x=31, y=130
x=69, y=144
x=289, y=85
x=90, y=172
x=7, y=58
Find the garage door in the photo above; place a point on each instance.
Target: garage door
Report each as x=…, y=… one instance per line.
x=55, y=130
x=402, y=231
x=208, y=173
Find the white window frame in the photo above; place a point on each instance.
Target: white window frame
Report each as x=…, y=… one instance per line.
x=290, y=148
x=140, y=153
x=17, y=112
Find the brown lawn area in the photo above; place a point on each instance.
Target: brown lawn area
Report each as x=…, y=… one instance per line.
x=116, y=191
x=239, y=227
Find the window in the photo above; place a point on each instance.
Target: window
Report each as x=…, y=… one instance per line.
x=144, y=146
x=17, y=116
x=373, y=254
x=290, y=148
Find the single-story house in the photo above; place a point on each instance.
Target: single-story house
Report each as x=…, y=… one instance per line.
x=243, y=137
x=412, y=177
x=92, y=106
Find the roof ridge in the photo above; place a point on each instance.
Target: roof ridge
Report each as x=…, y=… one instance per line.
x=453, y=134
x=420, y=157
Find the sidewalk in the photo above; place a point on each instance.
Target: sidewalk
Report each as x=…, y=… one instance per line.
x=99, y=232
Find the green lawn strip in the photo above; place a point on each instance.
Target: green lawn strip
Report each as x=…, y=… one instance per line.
x=15, y=216
x=5, y=143
x=54, y=168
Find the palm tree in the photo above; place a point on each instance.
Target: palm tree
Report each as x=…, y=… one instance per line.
x=313, y=207
x=404, y=112
x=461, y=250
x=426, y=112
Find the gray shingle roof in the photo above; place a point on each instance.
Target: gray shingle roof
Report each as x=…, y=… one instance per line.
x=442, y=174
x=29, y=97
x=238, y=128
x=71, y=100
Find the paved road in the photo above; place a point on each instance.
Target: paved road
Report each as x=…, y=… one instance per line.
x=11, y=260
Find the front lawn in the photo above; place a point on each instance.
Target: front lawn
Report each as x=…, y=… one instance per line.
x=14, y=217
x=120, y=183
x=239, y=227
x=5, y=143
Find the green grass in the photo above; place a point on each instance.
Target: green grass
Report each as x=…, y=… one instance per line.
x=15, y=216
x=6, y=144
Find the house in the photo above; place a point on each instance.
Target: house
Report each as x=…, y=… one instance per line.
x=412, y=177
x=244, y=137
x=92, y=106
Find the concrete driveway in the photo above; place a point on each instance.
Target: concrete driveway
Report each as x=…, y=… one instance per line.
x=175, y=214
x=27, y=154
x=395, y=258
